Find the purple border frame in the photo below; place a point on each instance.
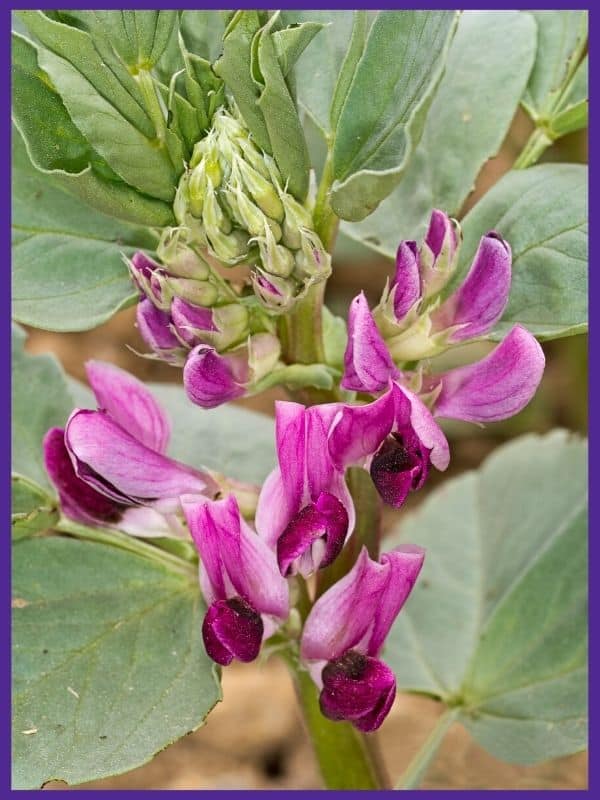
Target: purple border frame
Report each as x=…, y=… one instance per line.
x=5, y=354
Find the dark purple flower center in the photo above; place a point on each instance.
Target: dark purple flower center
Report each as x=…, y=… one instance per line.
x=400, y=466
x=359, y=689
x=314, y=537
x=232, y=629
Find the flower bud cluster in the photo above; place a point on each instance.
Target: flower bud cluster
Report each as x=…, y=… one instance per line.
x=232, y=203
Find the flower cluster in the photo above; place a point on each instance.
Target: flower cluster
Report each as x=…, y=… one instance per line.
x=110, y=466
x=232, y=209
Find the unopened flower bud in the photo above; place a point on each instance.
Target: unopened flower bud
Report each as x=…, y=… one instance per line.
x=312, y=259
x=220, y=327
x=149, y=277
x=439, y=253
x=296, y=217
x=276, y=259
x=262, y=191
x=182, y=261
x=196, y=189
x=211, y=379
x=264, y=350
x=275, y=294
x=156, y=329
x=200, y=293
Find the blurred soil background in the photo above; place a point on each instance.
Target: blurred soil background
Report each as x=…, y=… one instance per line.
x=255, y=739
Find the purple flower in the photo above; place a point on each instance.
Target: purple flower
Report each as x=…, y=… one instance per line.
x=246, y=595
x=109, y=465
x=149, y=278
x=304, y=511
x=156, y=329
x=395, y=438
x=345, y=632
x=211, y=379
x=368, y=365
x=495, y=388
x=439, y=253
x=475, y=307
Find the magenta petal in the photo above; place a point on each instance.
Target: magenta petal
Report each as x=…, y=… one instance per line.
x=413, y=413
x=118, y=465
x=358, y=431
x=155, y=327
x=232, y=629
x=314, y=537
x=440, y=232
x=78, y=500
x=290, y=440
x=128, y=402
x=319, y=465
x=236, y=562
x=368, y=365
x=191, y=321
x=358, y=689
x=407, y=280
x=496, y=387
x=357, y=612
x=480, y=300
x=211, y=379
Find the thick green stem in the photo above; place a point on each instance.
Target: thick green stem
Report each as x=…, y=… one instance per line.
x=535, y=146
x=343, y=754
x=129, y=543
x=417, y=768
x=325, y=220
x=367, y=530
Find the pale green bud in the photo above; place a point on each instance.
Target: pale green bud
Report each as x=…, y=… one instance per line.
x=276, y=259
x=249, y=215
x=254, y=157
x=229, y=248
x=312, y=259
x=264, y=351
x=231, y=322
x=199, y=293
x=263, y=193
x=181, y=260
x=180, y=204
x=197, y=186
x=417, y=342
x=275, y=294
x=296, y=217
x=213, y=217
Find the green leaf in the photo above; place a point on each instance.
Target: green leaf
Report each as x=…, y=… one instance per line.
x=573, y=113
x=139, y=37
x=33, y=509
x=234, y=68
x=496, y=624
x=203, y=32
x=383, y=115
x=562, y=38
x=109, y=114
x=320, y=65
x=468, y=120
x=285, y=131
x=68, y=272
x=75, y=46
x=39, y=113
x=40, y=400
x=542, y=213
x=108, y=665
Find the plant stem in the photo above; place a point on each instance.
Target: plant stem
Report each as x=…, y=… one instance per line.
x=129, y=543
x=344, y=757
x=367, y=530
x=535, y=146
x=417, y=768
x=324, y=218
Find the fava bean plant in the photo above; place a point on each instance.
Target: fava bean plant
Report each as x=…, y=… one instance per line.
x=201, y=165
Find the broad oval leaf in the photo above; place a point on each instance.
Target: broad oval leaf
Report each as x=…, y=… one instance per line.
x=33, y=509
x=468, y=120
x=542, y=213
x=108, y=661
x=68, y=272
x=496, y=624
x=139, y=37
x=562, y=37
x=382, y=117
x=40, y=400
